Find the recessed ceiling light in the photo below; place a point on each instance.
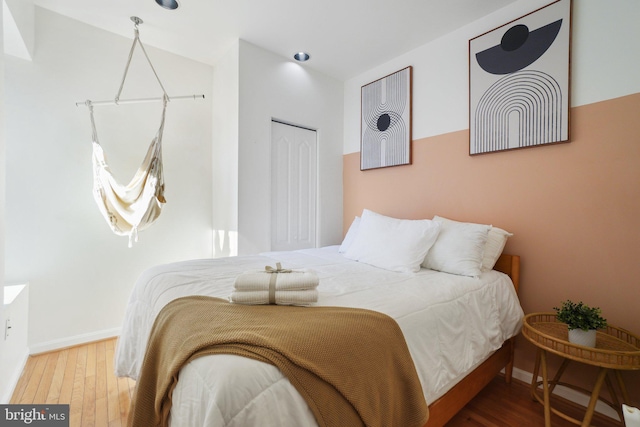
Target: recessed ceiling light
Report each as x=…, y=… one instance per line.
x=301, y=56
x=168, y=4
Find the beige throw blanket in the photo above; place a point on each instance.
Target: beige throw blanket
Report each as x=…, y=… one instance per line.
x=352, y=366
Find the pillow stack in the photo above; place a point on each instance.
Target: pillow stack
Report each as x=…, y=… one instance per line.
x=441, y=244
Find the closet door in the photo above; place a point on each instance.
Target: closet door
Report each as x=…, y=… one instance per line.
x=293, y=187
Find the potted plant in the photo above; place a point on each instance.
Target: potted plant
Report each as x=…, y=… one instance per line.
x=582, y=322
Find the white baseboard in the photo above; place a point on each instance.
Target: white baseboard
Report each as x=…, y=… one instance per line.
x=9, y=388
x=569, y=394
x=72, y=341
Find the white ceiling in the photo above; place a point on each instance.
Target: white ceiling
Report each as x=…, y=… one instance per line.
x=343, y=37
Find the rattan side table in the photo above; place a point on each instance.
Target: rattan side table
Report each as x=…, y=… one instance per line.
x=616, y=350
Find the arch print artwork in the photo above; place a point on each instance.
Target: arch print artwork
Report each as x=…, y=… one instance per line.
x=519, y=82
x=385, y=135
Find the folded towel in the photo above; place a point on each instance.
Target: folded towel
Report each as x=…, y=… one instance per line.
x=284, y=280
x=276, y=286
x=302, y=298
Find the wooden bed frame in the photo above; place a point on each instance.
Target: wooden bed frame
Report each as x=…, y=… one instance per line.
x=443, y=409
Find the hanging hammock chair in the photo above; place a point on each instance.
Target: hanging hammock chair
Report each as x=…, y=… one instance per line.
x=135, y=206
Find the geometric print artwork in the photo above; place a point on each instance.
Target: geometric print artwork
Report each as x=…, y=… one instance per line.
x=385, y=138
x=530, y=95
x=519, y=82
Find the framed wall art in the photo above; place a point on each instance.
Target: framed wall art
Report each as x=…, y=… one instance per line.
x=519, y=82
x=385, y=129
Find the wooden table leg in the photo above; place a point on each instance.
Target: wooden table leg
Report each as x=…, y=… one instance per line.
x=556, y=379
x=586, y=422
x=614, y=397
x=623, y=389
x=545, y=388
x=534, y=379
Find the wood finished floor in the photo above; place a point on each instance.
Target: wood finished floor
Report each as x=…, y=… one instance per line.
x=83, y=377
x=501, y=405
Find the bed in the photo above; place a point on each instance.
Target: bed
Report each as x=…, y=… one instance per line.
x=459, y=330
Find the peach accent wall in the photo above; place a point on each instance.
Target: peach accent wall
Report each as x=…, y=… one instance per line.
x=574, y=209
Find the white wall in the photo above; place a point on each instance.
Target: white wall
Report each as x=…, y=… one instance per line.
x=80, y=273
x=604, y=61
x=225, y=153
x=19, y=28
x=274, y=87
x=5, y=371
x=15, y=349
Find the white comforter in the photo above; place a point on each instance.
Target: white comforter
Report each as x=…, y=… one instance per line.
x=451, y=324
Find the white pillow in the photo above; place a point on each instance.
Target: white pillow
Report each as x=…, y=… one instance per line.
x=496, y=240
x=350, y=236
x=391, y=243
x=459, y=248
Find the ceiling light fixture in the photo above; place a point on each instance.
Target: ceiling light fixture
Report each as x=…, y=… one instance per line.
x=301, y=56
x=168, y=4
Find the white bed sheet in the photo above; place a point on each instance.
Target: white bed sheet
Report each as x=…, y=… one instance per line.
x=451, y=324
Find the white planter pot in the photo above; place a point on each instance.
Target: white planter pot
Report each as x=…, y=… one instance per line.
x=631, y=416
x=584, y=338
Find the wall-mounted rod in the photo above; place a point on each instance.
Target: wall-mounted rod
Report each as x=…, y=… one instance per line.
x=136, y=101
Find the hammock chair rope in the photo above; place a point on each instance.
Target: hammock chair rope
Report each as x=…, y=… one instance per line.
x=137, y=205
x=117, y=99
x=136, y=41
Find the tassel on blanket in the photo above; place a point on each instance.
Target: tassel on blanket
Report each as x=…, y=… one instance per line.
x=276, y=286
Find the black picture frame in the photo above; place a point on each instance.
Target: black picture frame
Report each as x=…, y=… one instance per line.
x=385, y=128
x=519, y=82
